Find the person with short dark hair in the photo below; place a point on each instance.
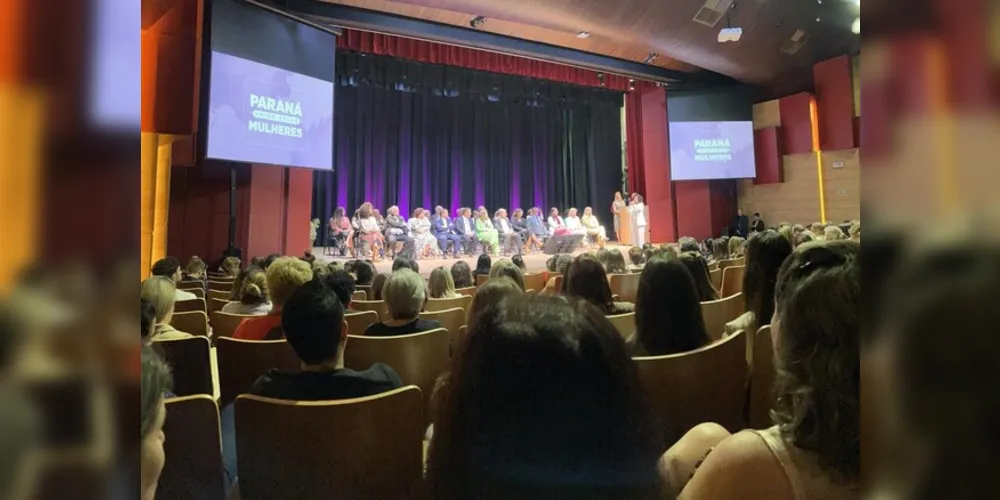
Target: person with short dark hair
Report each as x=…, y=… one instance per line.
x=313, y=321
x=342, y=284
x=635, y=255
x=757, y=224
x=377, y=283
x=518, y=261
x=668, y=316
x=365, y=273
x=170, y=268
x=483, y=265
x=402, y=262
x=461, y=272
x=266, y=263
x=688, y=244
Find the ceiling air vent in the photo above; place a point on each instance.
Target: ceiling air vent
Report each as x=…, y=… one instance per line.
x=793, y=44
x=712, y=12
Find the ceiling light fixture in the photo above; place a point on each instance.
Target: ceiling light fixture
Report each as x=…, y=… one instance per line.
x=477, y=21
x=651, y=57
x=631, y=84
x=583, y=34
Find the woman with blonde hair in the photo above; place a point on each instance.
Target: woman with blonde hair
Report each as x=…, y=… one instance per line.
x=159, y=292
x=787, y=231
x=230, y=267
x=833, y=233
x=595, y=231
x=253, y=296
x=196, y=269
x=486, y=233
x=441, y=285
x=736, y=247
x=720, y=250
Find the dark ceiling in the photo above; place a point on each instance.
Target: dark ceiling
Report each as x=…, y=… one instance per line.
x=631, y=29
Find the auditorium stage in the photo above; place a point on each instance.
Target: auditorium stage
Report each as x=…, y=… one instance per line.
x=535, y=262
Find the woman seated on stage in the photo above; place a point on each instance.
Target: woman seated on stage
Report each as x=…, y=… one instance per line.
x=486, y=233
x=420, y=228
x=573, y=223
x=369, y=231
x=341, y=231
x=556, y=225
x=595, y=231
x=511, y=238
x=520, y=226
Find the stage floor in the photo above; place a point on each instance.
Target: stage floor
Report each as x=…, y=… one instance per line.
x=534, y=262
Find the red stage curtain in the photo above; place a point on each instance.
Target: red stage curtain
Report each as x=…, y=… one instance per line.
x=438, y=53
x=633, y=143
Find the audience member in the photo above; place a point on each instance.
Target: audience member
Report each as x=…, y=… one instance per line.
x=813, y=450
x=855, y=232
x=803, y=237
x=543, y=403
x=519, y=262
x=816, y=228
x=736, y=244
x=561, y=264
x=266, y=263
x=170, y=268
x=237, y=288
x=320, y=270
x=667, y=311
x=405, y=295
x=696, y=265
x=688, y=244
x=313, y=321
x=441, y=285
x=365, y=273
x=341, y=283
x=616, y=262
x=284, y=275
x=635, y=256
x=550, y=264
x=462, y=274
x=377, y=284
x=586, y=279
x=491, y=294
x=648, y=255
x=403, y=261
x=507, y=268
x=147, y=320
x=833, y=233
x=602, y=257
x=230, y=267
x=766, y=252
x=785, y=230
x=159, y=291
x=308, y=257
x=253, y=296
x=153, y=387
x=257, y=261
x=196, y=269
x=720, y=249
x=483, y=266
x=797, y=228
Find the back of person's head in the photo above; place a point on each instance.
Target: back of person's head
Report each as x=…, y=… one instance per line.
x=404, y=294
x=816, y=228
x=736, y=246
x=563, y=261
x=803, y=237
x=668, y=316
x=320, y=270
x=668, y=250
x=833, y=233
x=647, y=246
x=490, y=294
x=378, y=282
x=313, y=321
x=351, y=266
x=484, y=264
x=602, y=256
x=817, y=364
x=196, y=267
x=257, y=261
x=507, y=268
x=269, y=260
x=648, y=254
x=688, y=244
x=719, y=249
x=342, y=284
x=253, y=289
x=155, y=382
x=284, y=275
x=441, y=284
x=461, y=273
x=237, y=288
x=797, y=228
x=308, y=257
x=855, y=231
x=402, y=261
x=766, y=251
x=230, y=266
x=566, y=420
x=519, y=262
x=147, y=319
x=365, y=273
x=785, y=231
x=167, y=267
x=635, y=255
x=698, y=268
x=159, y=291
x=587, y=280
x=616, y=262
x=550, y=264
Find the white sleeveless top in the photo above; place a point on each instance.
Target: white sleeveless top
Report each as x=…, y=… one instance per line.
x=809, y=481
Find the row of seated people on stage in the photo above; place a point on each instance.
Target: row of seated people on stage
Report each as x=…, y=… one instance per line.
x=435, y=233
x=810, y=295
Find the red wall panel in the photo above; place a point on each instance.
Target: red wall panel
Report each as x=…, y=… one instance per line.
x=266, y=217
x=723, y=193
x=694, y=208
x=767, y=155
x=835, y=103
x=796, y=129
x=299, y=209
x=656, y=159
x=170, y=35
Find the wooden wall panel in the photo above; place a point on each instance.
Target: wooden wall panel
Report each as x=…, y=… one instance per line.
x=796, y=200
x=766, y=114
x=842, y=185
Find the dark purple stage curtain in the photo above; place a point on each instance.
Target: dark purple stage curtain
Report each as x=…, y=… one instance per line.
x=417, y=135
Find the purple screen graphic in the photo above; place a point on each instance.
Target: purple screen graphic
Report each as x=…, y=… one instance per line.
x=711, y=150
x=262, y=114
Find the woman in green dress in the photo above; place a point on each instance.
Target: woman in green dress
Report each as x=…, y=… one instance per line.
x=486, y=233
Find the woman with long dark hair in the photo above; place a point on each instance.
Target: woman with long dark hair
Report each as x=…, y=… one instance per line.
x=586, y=279
x=766, y=251
x=565, y=420
x=483, y=265
x=699, y=271
x=667, y=311
x=462, y=274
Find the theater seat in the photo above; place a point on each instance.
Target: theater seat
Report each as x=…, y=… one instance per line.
x=626, y=286
x=624, y=323
x=359, y=295
x=190, y=305
x=534, y=281
x=761, y=380
x=193, y=322
x=469, y=290
x=364, y=448
x=222, y=286
x=193, y=468
x=190, y=364
x=705, y=385
x=358, y=321
x=732, y=280
x=451, y=319
x=481, y=279
x=462, y=301
x=418, y=358
x=224, y=324
x=379, y=306
x=241, y=362
x=715, y=276
x=719, y=312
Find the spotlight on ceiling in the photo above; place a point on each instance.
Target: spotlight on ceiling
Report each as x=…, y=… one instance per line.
x=477, y=21
x=631, y=84
x=651, y=57
x=583, y=34
x=600, y=78
x=856, y=26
